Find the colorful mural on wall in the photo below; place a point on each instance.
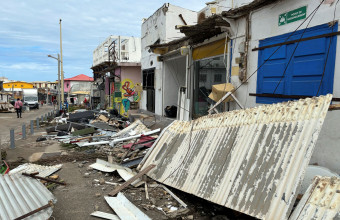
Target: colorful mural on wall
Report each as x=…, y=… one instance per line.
x=129, y=94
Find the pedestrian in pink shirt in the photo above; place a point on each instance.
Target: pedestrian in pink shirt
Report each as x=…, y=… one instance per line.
x=18, y=107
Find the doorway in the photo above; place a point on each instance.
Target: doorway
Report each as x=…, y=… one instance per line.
x=149, y=86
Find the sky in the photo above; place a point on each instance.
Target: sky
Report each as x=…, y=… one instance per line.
x=29, y=31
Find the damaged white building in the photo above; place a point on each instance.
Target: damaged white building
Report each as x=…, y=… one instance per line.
x=263, y=51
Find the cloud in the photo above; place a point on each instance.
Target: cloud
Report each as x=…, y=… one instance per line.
x=30, y=31
x=26, y=66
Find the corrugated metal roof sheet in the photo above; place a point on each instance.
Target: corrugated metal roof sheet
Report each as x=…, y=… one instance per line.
x=125, y=209
x=20, y=195
x=321, y=200
x=44, y=171
x=250, y=160
x=137, y=127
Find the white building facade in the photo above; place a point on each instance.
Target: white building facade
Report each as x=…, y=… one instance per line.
x=160, y=28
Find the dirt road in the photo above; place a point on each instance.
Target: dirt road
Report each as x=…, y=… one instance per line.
x=10, y=120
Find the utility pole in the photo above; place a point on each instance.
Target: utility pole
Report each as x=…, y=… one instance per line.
x=61, y=67
x=58, y=88
x=58, y=97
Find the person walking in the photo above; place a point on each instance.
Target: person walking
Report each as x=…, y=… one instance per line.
x=18, y=107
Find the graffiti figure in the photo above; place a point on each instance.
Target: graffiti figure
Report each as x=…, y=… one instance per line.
x=128, y=91
x=129, y=95
x=126, y=105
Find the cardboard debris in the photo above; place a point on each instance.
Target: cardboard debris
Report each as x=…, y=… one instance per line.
x=219, y=90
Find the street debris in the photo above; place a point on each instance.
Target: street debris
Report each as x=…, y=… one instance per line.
x=105, y=215
x=43, y=171
x=23, y=196
x=120, y=162
x=104, y=166
x=131, y=180
x=125, y=209
x=6, y=107
x=35, y=176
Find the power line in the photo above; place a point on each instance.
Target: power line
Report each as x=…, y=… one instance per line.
x=277, y=48
x=329, y=47
x=291, y=57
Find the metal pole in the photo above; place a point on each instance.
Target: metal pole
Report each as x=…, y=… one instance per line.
x=58, y=98
x=12, y=139
x=32, y=128
x=37, y=123
x=23, y=131
x=50, y=204
x=42, y=118
x=61, y=66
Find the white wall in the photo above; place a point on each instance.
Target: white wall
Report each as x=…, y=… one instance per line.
x=264, y=24
x=173, y=19
x=132, y=50
x=80, y=86
x=174, y=78
x=161, y=26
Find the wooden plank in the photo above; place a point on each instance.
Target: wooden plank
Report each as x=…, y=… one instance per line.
x=287, y=96
x=334, y=107
x=295, y=41
x=127, y=183
x=175, y=197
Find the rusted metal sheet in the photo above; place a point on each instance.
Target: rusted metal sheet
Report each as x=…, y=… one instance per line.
x=20, y=195
x=321, y=200
x=250, y=160
x=44, y=171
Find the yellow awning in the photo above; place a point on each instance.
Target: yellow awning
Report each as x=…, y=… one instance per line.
x=209, y=50
x=80, y=93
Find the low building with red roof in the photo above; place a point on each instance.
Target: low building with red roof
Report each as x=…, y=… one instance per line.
x=78, y=88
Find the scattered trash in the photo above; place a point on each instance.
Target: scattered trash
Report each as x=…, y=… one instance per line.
x=41, y=139
x=105, y=215
x=4, y=168
x=125, y=209
x=131, y=180
x=104, y=166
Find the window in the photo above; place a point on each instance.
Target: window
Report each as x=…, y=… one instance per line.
x=203, y=77
x=208, y=72
x=218, y=78
x=148, y=78
x=304, y=73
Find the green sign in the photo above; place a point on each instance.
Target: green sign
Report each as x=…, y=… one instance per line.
x=292, y=16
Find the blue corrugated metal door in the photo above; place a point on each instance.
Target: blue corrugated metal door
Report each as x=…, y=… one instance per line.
x=304, y=72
